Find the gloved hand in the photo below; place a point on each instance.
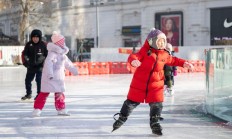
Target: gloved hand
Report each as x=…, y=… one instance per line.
x=175, y=72
x=41, y=59
x=26, y=62
x=188, y=66
x=75, y=72
x=135, y=63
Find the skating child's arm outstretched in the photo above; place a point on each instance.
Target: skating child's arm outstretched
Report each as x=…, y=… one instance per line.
x=69, y=65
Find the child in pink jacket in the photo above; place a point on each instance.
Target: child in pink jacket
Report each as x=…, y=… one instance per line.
x=53, y=75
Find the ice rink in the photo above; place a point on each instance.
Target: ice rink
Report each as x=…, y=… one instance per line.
x=92, y=102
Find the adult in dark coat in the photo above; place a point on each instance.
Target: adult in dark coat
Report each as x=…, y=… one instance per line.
x=35, y=52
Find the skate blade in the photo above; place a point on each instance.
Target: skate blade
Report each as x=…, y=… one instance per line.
x=157, y=134
x=27, y=100
x=34, y=116
x=114, y=130
x=63, y=114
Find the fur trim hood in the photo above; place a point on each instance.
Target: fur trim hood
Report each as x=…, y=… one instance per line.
x=56, y=49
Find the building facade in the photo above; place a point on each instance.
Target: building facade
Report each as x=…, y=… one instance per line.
x=126, y=23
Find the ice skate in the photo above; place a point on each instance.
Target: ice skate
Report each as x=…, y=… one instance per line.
x=36, y=113
x=118, y=123
x=26, y=97
x=156, y=129
x=170, y=91
x=165, y=92
x=155, y=126
x=63, y=112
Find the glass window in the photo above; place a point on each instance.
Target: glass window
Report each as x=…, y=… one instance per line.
x=65, y=3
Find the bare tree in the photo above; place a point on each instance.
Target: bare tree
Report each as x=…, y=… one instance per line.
x=24, y=20
x=27, y=13
x=37, y=10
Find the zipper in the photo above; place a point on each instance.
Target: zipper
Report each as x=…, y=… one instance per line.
x=35, y=52
x=150, y=75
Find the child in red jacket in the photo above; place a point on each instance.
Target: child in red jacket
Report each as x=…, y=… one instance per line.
x=147, y=85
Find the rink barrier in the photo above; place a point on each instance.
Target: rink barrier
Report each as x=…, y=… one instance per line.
x=82, y=67
x=114, y=68
x=125, y=51
x=118, y=68
x=96, y=68
x=199, y=65
x=93, y=68
x=182, y=70
x=104, y=68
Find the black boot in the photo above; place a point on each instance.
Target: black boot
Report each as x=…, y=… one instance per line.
x=155, y=126
x=118, y=123
x=27, y=96
x=125, y=111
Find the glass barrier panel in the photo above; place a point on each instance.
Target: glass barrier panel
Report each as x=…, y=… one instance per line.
x=219, y=82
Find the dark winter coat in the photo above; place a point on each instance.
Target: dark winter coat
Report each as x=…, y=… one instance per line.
x=35, y=53
x=148, y=80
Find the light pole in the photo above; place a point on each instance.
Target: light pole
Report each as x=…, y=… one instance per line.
x=97, y=24
x=96, y=3
x=28, y=23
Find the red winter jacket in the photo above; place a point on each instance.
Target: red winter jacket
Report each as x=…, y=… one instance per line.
x=148, y=80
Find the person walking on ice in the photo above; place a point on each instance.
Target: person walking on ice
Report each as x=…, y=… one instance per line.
x=147, y=85
x=54, y=74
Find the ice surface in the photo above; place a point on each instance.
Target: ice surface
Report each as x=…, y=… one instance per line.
x=92, y=102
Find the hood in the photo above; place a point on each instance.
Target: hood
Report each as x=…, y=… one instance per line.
x=55, y=48
x=154, y=36
x=36, y=33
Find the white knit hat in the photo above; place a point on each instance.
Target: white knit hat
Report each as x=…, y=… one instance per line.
x=58, y=39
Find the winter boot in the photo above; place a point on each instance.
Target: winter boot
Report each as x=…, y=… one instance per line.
x=155, y=126
x=36, y=113
x=170, y=91
x=63, y=112
x=27, y=96
x=118, y=123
